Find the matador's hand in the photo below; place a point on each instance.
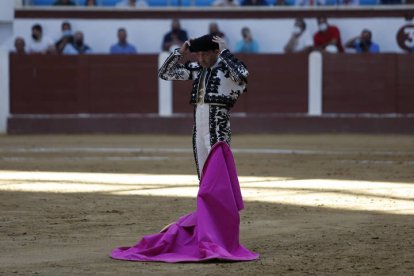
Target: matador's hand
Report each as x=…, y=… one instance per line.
x=221, y=42
x=185, y=48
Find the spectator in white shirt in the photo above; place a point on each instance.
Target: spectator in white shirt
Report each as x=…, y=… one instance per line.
x=300, y=40
x=39, y=43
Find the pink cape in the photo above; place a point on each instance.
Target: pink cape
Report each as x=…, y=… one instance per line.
x=211, y=232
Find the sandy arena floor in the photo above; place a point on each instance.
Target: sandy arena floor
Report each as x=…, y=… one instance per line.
x=315, y=204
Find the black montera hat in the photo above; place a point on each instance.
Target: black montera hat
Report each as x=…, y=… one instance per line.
x=203, y=43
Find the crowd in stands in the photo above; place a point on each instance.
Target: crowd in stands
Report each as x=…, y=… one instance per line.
x=326, y=38
x=229, y=3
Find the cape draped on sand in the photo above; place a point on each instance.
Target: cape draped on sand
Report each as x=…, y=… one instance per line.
x=210, y=232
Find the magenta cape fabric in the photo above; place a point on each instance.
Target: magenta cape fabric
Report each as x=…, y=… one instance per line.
x=211, y=232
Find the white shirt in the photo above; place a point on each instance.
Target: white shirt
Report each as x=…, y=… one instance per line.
x=40, y=46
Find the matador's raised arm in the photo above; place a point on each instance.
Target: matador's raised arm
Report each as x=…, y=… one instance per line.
x=172, y=69
x=237, y=69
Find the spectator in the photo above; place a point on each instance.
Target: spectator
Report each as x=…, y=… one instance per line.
x=328, y=37
x=91, y=3
x=225, y=3
x=133, y=4
x=254, y=3
x=363, y=43
x=19, y=46
x=66, y=37
x=78, y=46
x=122, y=47
x=39, y=43
x=175, y=38
x=300, y=40
x=64, y=3
x=247, y=44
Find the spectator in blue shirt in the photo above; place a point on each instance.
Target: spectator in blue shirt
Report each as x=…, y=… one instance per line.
x=363, y=43
x=247, y=44
x=122, y=47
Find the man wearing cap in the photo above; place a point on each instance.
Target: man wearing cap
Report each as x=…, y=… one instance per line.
x=218, y=80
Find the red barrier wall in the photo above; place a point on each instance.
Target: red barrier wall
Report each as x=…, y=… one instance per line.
x=368, y=83
x=277, y=84
x=99, y=84
x=405, y=84
x=51, y=84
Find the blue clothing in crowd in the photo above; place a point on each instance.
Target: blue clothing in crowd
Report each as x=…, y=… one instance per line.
x=73, y=49
x=123, y=49
x=373, y=48
x=247, y=47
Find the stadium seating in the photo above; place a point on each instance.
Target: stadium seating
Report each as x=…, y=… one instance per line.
x=42, y=2
x=205, y=3
x=107, y=2
x=290, y=2
x=78, y=2
x=331, y=2
x=368, y=2
x=181, y=3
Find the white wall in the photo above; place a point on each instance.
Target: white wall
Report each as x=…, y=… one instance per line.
x=147, y=35
x=6, y=33
x=6, y=20
x=4, y=90
x=6, y=10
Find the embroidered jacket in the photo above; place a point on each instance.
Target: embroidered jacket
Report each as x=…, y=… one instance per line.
x=224, y=82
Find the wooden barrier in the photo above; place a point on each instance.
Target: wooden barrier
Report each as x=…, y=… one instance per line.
x=128, y=84
x=277, y=84
x=52, y=84
x=368, y=83
x=104, y=86
x=101, y=84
